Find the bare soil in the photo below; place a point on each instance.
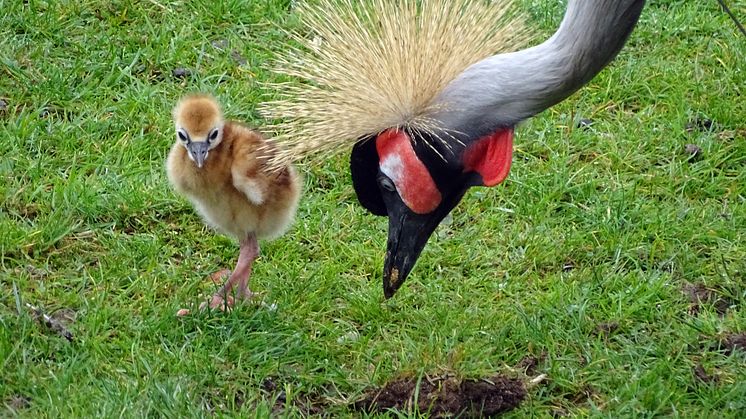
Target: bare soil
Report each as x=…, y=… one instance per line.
x=701, y=374
x=699, y=295
x=446, y=396
x=529, y=363
x=731, y=342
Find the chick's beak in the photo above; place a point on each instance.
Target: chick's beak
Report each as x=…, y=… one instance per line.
x=198, y=152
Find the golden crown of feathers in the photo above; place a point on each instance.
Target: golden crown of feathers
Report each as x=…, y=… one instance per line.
x=361, y=67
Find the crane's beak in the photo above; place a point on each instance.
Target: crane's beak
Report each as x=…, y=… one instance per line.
x=408, y=235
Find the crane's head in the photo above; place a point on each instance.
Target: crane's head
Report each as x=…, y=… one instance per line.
x=406, y=179
x=199, y=126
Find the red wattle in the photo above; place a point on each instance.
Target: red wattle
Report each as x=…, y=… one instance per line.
x=490, y=156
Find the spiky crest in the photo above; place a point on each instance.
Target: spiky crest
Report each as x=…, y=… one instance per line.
x=367, y=66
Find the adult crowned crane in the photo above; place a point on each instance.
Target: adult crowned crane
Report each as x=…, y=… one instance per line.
x=429, y=111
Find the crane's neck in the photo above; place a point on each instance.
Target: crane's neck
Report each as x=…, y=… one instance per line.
x=589, y=37
x=504, y=89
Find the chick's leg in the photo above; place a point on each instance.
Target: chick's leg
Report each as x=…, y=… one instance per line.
x=248, y=254
x=237, y=285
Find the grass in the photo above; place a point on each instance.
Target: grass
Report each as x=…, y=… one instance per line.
x=599, y=227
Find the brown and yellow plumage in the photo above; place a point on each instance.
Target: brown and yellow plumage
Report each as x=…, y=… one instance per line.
x=223, y=168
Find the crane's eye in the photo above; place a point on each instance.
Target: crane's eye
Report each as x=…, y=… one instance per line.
x=182, y=136
x=213, y=135
x=386, y=183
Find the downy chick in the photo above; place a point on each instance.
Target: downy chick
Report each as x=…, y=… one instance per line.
x=223, y=168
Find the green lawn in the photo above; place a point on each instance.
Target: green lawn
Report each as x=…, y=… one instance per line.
x=585, y=258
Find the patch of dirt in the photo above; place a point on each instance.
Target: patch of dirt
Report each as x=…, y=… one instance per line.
x=731, y=342
x=702, y=375
x=529, y=363
x=446, y=396
x=701, y=124
x=269, y=385
x=699, y=294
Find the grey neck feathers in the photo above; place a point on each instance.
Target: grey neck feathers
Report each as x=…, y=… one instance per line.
x=504, y=89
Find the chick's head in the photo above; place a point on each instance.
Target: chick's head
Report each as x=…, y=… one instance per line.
x=199, y=126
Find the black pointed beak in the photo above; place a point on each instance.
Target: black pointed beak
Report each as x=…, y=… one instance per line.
x=198, y=151
x=408, y=234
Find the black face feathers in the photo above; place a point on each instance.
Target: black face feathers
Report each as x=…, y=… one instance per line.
x=364, y=171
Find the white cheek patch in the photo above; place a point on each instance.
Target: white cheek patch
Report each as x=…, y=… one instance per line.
x=393, y=167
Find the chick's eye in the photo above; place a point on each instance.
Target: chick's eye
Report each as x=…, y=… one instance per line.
x=182, y=136
x=387, y=184
x=213, y=135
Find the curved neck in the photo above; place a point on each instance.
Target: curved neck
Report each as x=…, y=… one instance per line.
x=504, y=89
x=591, y=34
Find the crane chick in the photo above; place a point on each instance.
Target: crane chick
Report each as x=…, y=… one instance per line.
x=224, y=168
